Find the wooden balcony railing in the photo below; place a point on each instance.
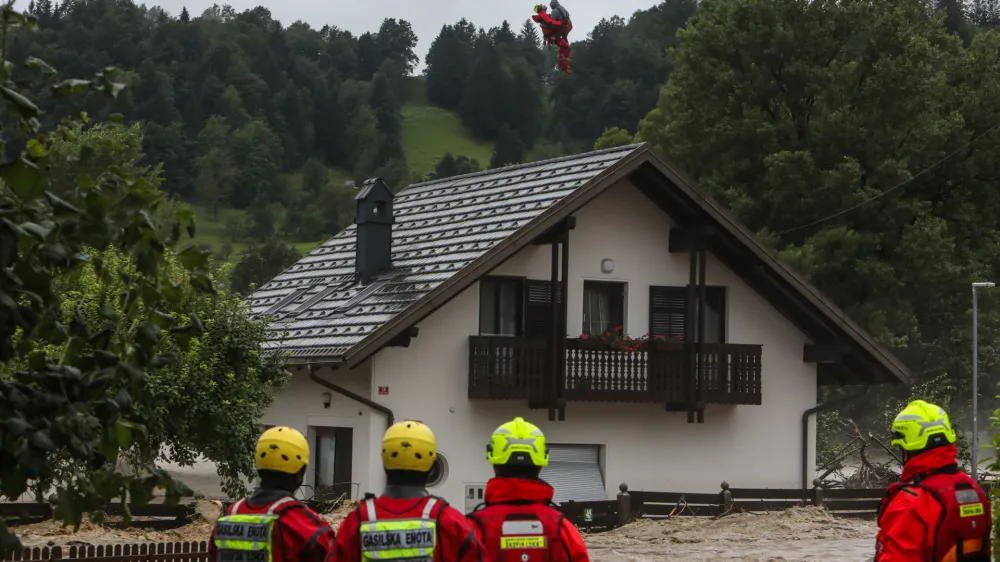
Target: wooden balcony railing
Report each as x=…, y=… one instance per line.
x=509, y=368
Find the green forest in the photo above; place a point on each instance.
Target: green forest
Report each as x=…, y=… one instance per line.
x=255, y=121
x=858, y=138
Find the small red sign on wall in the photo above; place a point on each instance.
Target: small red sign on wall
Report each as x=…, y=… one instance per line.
x=383, y=391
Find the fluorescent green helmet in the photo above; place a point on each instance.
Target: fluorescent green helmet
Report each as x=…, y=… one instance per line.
x=917, y=423
x=518, y=443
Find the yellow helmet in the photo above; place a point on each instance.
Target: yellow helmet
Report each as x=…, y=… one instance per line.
x=917, y=423
x=409, y=445
x=518, y=442
x=282, y=449
x=540, y=8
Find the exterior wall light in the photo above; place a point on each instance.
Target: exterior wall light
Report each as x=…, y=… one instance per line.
x=607, y=265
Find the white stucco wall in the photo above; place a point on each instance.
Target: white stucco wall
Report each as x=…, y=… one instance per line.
x=300, y=405
x=646, y=447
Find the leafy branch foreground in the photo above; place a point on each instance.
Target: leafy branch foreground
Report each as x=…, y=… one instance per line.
x=66, y=420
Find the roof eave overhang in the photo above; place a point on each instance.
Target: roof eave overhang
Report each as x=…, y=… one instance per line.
x=883, y=359
x=330, y=361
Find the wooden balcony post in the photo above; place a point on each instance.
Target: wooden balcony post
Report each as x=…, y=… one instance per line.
x=689, y=335
x=563, y=328
x=553, y=370
x=702, y=299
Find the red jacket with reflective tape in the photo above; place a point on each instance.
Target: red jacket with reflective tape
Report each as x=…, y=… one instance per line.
x=935, y=513
x=457, y=541
x=300, y=534
x=515, y=509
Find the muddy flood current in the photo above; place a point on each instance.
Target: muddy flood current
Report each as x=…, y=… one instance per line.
x=796, y=534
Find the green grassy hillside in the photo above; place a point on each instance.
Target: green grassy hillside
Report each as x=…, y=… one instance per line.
x=430, y=132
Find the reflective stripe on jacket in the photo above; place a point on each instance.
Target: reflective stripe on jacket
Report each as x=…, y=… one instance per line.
x=247, y=538
x=404, y=538
x=455, y=540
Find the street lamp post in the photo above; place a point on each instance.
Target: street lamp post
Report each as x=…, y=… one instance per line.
x=975, y=374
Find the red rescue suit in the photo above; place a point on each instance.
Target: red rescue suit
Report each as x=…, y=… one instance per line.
x=456, y=540
x=555, y=32
x=300, y=534
x=518, y=524
x=935, y=513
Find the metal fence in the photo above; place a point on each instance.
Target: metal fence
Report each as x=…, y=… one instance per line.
x=143, y=552
x=606, y=515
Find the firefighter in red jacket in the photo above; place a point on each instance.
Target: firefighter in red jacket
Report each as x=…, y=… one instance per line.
x=518, y=523
x=406, y=523
x=271, y=525
x=936, y=512
x=555, y=30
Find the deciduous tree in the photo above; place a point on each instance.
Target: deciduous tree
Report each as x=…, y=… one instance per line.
x=65, y=421
x=781, y=109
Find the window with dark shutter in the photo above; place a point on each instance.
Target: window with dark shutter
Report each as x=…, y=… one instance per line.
x=538, y=307
x=667, y=309
x=668, y=312
x=501, y=303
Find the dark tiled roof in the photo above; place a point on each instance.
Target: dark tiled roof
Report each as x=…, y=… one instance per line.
x=440, y=227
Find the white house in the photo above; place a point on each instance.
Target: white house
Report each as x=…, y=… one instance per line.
x=441, y=312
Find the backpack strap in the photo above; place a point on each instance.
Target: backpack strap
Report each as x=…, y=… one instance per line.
x=476, y=520
x=236, y=506
x=369, y=503
x=479, y=506
x=559, y=530
x=284, y=505
x=428, y=508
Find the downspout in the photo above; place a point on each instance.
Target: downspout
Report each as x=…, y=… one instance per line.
x=352, y=395
x=805, y=428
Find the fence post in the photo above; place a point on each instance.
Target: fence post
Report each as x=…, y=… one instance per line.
x=725, y=499
x=624, y=504
x=817, y=495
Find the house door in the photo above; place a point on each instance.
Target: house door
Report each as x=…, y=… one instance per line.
x=575, y=473
x=332, y=462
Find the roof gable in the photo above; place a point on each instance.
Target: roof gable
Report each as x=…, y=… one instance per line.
x=441, y=227
x=451, y=232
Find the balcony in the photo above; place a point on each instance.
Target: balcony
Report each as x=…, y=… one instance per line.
x=512, y=368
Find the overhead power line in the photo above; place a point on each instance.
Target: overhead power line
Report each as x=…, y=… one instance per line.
x=895, y=187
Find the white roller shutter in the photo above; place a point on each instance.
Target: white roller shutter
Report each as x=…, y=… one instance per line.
x=575, y=473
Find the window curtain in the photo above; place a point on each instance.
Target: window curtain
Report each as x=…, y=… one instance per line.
x=498, y=308
x=507, y=296
x=596, y=311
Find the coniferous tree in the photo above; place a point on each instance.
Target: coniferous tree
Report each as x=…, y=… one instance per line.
x=509, y=148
